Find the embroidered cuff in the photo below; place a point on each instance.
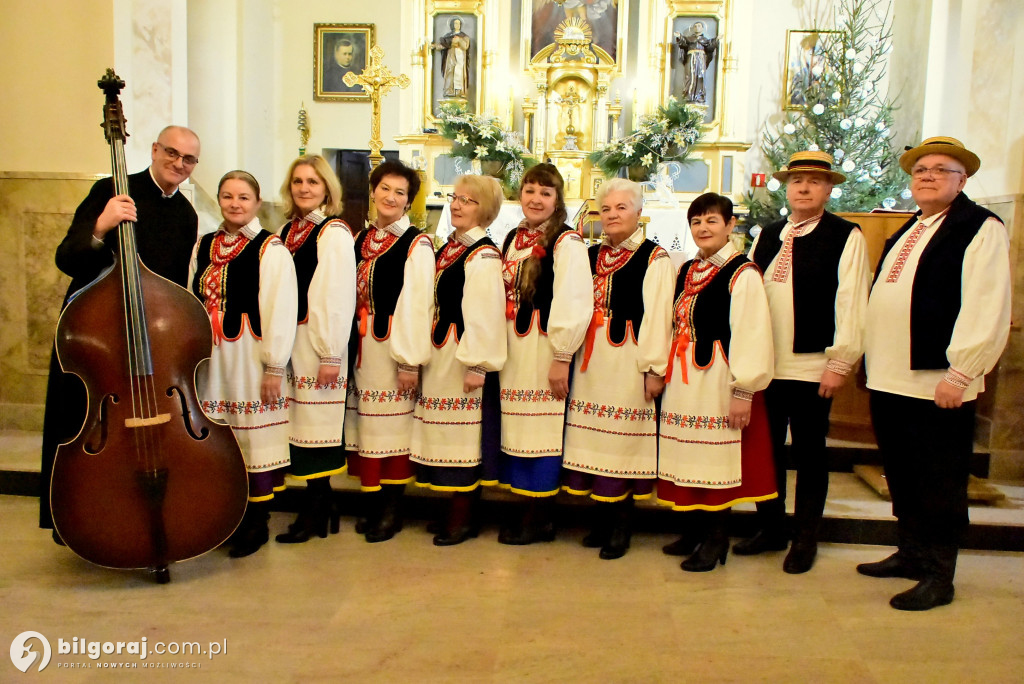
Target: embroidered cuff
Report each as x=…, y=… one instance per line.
x=407, y=368
x=839, y=367
x=563, y=356
x=957, y=379
x=745, y=395
x=273, y=370
x=477, y=370
x=330, y=361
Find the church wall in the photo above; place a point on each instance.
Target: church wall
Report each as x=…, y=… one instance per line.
x=332, y=124
x=52, y=111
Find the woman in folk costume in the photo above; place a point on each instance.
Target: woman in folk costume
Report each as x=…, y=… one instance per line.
x=714, y=444
x=325, y=268
x=548, y=294
x=611, y=428
x=468, y=335
x=395, y=289
x=246, y=279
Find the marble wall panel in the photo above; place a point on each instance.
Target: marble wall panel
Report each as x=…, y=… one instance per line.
x=35, y=211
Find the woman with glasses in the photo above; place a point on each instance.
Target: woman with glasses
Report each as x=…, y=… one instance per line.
x=468, y=336
x=245, y=278
x=611, y=449
x=547, y=309
x=321, y=246
x=394, y=310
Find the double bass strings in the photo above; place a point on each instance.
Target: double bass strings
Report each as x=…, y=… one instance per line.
x=140, y=371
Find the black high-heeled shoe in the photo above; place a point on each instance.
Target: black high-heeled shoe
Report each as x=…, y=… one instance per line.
x=389, y=522
x=252, y=533
x=707, y=556
x=319, y=516
x=714, y=549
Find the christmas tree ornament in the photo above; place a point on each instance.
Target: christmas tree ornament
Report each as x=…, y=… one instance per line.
x=818, y=109
x=849, y=166
x=846, y=124
x=889, y=202
x=836, y=193
x=789, y=129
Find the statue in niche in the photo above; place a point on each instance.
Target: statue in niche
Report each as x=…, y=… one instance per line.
x=695, y=52
x=454, y=47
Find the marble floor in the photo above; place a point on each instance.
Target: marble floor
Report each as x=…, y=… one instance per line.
x=344, y=610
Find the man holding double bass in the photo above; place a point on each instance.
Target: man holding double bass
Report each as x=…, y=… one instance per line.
x=167, y=228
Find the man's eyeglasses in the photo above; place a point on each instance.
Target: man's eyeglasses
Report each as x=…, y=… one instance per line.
x=186, y=159
x=462, y=199
x=937, y=171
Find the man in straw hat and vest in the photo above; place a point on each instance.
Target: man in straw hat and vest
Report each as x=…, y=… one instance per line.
x=938, y=319
x=816, y=276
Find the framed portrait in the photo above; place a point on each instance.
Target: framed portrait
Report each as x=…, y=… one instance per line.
x=455, y=67
x=337, y=50
x=805, y=64
x=696, y=56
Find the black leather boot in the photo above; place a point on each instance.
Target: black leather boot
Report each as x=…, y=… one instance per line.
x=601, y=528
x=905, y=563
x=694, y=530
x=801, y=556
x=765, y=540
x=318, y=515
x=535, y=524
x=621, y=530
x=389, y=522
x=461, y=523
x=715, y=547
x=936, y=587
x=252, y=532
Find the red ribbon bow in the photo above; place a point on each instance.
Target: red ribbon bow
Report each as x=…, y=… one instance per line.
x=539, y=252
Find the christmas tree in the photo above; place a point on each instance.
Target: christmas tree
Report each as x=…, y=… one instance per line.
x=837, y=108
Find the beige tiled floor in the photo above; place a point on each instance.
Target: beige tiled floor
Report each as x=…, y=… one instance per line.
x=402, y=611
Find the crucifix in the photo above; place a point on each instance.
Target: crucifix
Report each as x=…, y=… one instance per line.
x=376, y=80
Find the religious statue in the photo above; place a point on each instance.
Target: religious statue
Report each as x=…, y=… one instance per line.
x=454, y=47
x=695, y=52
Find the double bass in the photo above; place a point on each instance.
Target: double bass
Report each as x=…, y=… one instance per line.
x=149, y=479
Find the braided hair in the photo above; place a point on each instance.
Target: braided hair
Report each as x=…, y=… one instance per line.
x=548, y=176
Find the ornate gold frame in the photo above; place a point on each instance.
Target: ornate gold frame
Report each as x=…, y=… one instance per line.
x=320, y=33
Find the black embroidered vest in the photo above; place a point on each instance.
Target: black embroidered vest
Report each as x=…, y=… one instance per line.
x=624, y=292
x=935, y=294
x=240, y=284
x=305, y=258
x=815, y=277
x=544, y=285
x=709, y=320
x=386, y=278
x=448, y=289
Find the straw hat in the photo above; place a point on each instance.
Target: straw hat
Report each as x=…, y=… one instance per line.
x=951, y=147
x=820, y=162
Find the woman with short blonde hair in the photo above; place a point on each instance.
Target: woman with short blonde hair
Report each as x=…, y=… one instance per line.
x=468, y=336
